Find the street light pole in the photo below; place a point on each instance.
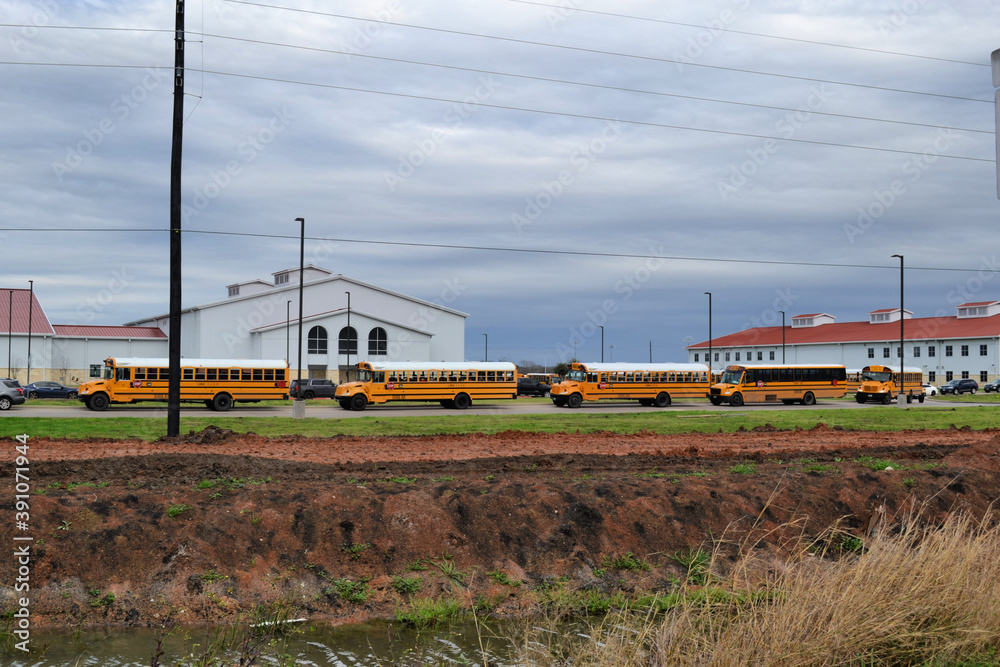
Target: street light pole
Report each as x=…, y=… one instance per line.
x=31, y=302
x=486, y=347
x=709, y=336
x=288, y=323
x=612, y=348
x=902, y=318
x=349, y=335
x=782, y=335
x=602, y=342
x=299, y=405
x=10, y=326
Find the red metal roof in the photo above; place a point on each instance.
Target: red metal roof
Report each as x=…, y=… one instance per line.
x=918, y=328
x=976, y=303
x=90, y=331
x=15, y=304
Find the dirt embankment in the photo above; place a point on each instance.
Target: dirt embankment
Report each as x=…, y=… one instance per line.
x=203, y=526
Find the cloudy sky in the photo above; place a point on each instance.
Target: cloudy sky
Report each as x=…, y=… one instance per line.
x=543, y=166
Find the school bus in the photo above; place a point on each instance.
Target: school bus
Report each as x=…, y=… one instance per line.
x=218, y=383
x=881, y=384
x=788, y=383
x=545, y=378
x=454, y=384
x=650, y=384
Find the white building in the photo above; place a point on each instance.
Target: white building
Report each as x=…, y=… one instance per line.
x=966, y=345
x=257, y=320
x=344, y=321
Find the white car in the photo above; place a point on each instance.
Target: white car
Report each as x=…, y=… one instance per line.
x=930, y=389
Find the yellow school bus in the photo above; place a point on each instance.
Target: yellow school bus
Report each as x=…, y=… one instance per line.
x=454, y=384
x=788, y=383
x=650, y=384
x=218, y=383
x=881, y=384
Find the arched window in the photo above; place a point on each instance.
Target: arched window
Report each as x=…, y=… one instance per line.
x=348, y=341
x=377, y=342
x=317, y=340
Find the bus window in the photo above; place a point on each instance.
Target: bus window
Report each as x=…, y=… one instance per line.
x=432, y=376
x=279, y=374
x=378, y=376
x=423, y=376
x=199, y=374
x=187, y=373
x=482, y=376
x=268, y=375
x=245, y=374
x=140, y=373
x=491, y=376
x=452, y=376
x=211, y=374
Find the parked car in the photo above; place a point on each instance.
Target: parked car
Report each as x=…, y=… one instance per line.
x=930, y=389
x=531, y=387
x=313, y=388
x=993, y=385
x=48, y=389
x=11, y=393
x=960, y=386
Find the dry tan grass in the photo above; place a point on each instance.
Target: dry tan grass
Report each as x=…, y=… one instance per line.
x=918, y=594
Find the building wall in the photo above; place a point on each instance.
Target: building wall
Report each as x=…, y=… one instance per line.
x=855, y=355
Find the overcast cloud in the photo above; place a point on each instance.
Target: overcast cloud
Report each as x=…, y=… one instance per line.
x=423, y=123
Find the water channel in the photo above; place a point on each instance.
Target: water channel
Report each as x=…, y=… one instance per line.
x=368, y=644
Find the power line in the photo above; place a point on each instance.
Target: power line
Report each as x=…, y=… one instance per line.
x=558, y=46
x=753, y=34
x=587, y=84
x=506, y=249
x=608, y=53
x=814, y=142
x=566, y=114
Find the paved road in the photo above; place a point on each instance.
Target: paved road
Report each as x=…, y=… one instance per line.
x=329, y=410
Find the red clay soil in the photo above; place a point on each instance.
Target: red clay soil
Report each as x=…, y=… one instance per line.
x=203, y=526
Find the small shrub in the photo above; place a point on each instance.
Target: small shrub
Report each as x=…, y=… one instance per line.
x=501, y=577
x=355, y=550
x=176, y=510
x=406, y=585
x=747, y=468
x=625, y=562
x=352, y=591
x=696, y=563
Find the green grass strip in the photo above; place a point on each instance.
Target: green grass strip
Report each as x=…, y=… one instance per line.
x=880, y=418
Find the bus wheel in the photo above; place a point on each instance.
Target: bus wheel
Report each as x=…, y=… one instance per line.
x=222, y=402
x=345, y=403
x=662, y=400
x=920, y=398
x=860, y=398
x=715, y=400
x=736, y=399
x=98, y=402
x=358, y=402
x=574, y=400
x=208, y=404
x=886, y=398
x=559, y=401
x=462, y=401
x=808, y=398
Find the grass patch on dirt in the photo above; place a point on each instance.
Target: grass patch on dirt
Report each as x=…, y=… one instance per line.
x=880, y=418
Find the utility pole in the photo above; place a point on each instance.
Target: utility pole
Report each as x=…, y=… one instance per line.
x=174, y=331
x=31, y=302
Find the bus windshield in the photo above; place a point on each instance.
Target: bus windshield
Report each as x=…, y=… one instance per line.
x=364, y=376
x=576, y=376
x=109, y=373
x=732, y=377
x=883, y=376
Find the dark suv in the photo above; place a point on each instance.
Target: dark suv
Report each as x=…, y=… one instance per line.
x=993, y=385
x=531, y=387
x=11, y=393
x=313, y=388
x=960, y=386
